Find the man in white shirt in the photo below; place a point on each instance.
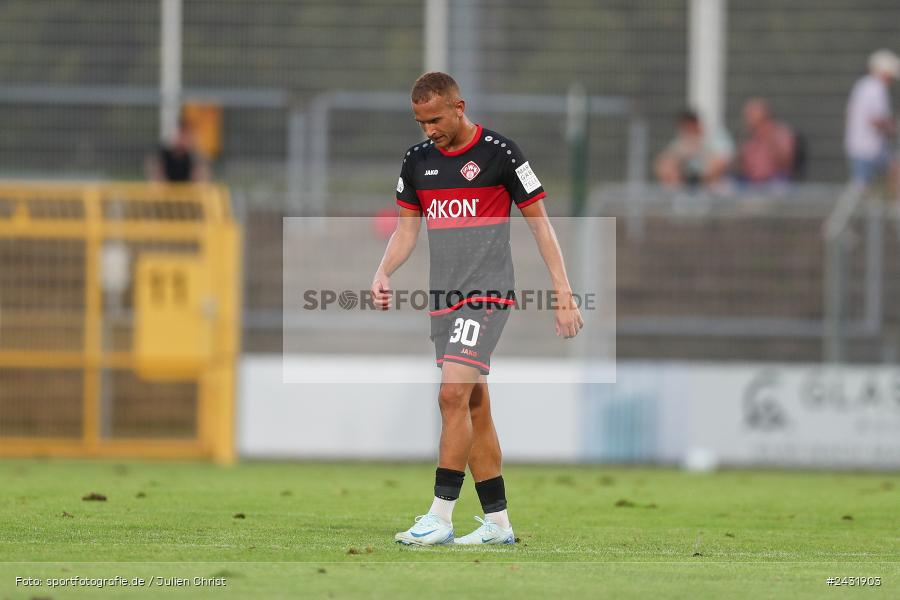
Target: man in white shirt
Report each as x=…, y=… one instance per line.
x=870, y=123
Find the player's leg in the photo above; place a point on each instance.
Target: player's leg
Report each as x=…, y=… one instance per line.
x=485, y=456
x=436, y=526
x=457, y=383
x=485, y=464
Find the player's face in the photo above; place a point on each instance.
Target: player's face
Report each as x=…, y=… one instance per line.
x=440, y=119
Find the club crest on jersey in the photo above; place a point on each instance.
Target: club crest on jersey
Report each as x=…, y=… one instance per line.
x=470, y=170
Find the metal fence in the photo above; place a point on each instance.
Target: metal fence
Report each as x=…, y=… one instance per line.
x=744, y=277
x=807, y=275
x=119, y=324
x=288, y=52
x=804, y=56
x=80, y=78
x=80, y=97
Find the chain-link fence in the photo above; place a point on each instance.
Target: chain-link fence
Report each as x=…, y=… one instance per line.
x=803, y=56
x=751, y=277
x=697, y=278
x=80, y=79
x=80, y=98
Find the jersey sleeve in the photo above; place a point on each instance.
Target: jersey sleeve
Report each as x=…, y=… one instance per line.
x=406, y=193
x=522, y=184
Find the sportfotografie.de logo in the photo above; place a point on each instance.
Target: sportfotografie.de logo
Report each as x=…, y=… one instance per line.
x=328, y=299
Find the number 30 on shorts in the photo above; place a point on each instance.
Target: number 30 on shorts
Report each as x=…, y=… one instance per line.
x=465, y=331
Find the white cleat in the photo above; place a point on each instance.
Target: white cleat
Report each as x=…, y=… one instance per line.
x=488, y=533
x=428, y=530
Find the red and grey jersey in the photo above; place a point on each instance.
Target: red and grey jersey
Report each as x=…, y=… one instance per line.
x=466, y=197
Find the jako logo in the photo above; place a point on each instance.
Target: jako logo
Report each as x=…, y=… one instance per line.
x=443, y=209
x=431, y=172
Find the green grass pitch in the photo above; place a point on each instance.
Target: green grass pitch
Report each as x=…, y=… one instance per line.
x=321, y=530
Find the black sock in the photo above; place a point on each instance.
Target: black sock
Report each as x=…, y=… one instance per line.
x=447, y=483
x=492, y=494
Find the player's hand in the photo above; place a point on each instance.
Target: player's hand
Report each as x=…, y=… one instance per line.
x=568, y=318
x=381, y=290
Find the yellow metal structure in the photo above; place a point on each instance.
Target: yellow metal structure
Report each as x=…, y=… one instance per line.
x=173, y=305
x=119, y=320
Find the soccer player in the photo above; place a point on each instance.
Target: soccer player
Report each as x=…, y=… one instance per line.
x=464, y=179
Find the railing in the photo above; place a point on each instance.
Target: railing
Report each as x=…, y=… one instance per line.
x=743, y=277
x=119, y=315
x=837, y=240
x=812, y=218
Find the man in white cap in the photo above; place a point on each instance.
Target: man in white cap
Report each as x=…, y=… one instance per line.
x=870, y=123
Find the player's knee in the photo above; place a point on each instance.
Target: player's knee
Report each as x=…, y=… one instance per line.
x=454, y=396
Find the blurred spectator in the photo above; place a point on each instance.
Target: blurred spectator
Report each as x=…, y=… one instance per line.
x=696, y=156
x=766, y=157
x=870, y=125
x=178, y=161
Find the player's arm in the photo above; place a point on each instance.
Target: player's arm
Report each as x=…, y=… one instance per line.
x=568, y=317
x=399, y=247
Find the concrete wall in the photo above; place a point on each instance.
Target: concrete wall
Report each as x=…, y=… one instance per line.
x=697, y=414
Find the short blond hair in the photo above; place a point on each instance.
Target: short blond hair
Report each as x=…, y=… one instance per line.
x=434, y=83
